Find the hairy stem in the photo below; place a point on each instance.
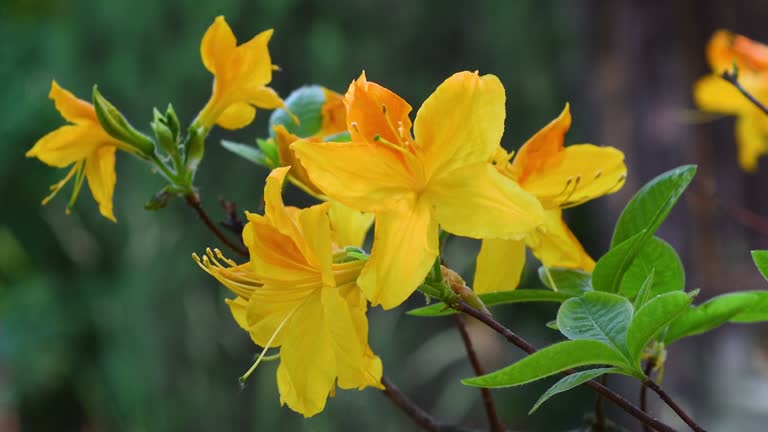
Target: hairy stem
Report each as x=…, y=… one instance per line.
x=194, y=201
x=490, y=409
x=644, y=392
x=415, y=412
x=672, y=404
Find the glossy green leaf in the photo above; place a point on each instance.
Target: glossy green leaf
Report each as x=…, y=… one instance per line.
x=562, y=279
x=757, y=312
x=658, y=256
x=497, y=298
x=569, y=382
x=549, y=361
x=652, y=318
x=711, y=314
x=596, y=316
x=652, y=203
x=246, y=152
x=611, y=267
x=760, y=257
x=645, y=292
x=306, y=103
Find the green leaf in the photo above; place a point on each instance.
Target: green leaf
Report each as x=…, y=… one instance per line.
x=549, y=361
x=570, y=280
x=271, y=155
x=711, y=314
x=645, y=292
x=652, y=318
x=760, y=257
x=497, y=298
x=569, y=382
x=652, y=203
x=596, y=316
x=758, y=312
x=306, y=103
x=611, y=267
x=658, y=256
x=246, y=152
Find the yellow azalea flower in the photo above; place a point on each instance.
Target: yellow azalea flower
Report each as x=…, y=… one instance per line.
x=292, y=295
x=560, y=177
x=714, y=94
x=241, y=74
x=412, y=184
x=84, y=146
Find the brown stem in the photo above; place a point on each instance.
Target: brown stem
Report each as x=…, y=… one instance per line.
x=672, y=404
x=644, y=393
x=521, y=343
x=732, y=77
x=493, y=418
x=194, y=201
x=600, y=408
x=415, y=412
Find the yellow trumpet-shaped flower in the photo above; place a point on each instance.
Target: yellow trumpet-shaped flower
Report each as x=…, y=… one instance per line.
x=442, y=175
x=713, y=94
x=560, y=177
x=241, y=74
x=292, y=295
x=85, y=146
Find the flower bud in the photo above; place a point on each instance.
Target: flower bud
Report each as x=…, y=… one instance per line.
x=115, y=124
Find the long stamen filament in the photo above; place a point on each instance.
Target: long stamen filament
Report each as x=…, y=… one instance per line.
x=266, y=347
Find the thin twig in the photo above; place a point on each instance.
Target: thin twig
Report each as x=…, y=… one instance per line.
x=599, y=425
x=415, y=412
x=733, y=78
x=644, y=393
x=493, y=418
x=672, y=404
x=194, y=201
x=521, y=343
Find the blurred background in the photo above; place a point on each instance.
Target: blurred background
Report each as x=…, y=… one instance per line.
x=111, y=327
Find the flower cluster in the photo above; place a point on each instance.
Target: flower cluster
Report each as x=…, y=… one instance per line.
x=306, y=286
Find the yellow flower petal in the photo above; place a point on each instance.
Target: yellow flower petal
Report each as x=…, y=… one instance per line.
x=348, y=327
x=307, y=370
x=714, y=94
x=274, y=255
x=461, y=122
x=349, y=226
x=404, y=248
x=361, y=175
x=373, y=110
x=556, y=246
x=269, y=306
x=334, y=114
x=298, y=175
x=752, y=140
x=576, y=174
x=542, y=149
x=238, y=307
x=100, y=172
x=477, y=201
x=499, y=265
x=263, y=97
x=70, y=107
x=217, y=45
x=66, y=145
x=315, y=228
x=236, y=116
x=253, y=56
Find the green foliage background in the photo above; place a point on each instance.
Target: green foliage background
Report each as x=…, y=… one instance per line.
x=112, y=327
